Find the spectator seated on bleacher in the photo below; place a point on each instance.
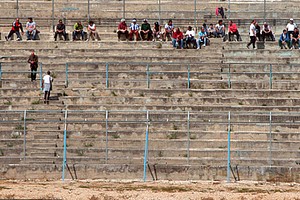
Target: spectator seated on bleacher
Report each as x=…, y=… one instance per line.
x=267, y=32
x=92, y=32
x=122, y=30
x=202, y=39
x=177, y=39
x=295, y=39
x=190, y=40
x=233, y=30
x=211, y=30
x=31, y=31
x=291, y=26
x=156, y=31
x=257, y=31
x=78, y=31
x=284, y=40
x=134, y=30
x=60, y=30
x=169, y=28
x=219, y=29
x=146, y=32
x=16, y=27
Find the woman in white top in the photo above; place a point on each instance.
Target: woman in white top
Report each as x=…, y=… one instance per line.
x=252, y=33
x=47, y=86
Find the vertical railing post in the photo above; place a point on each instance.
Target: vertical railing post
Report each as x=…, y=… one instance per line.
x=17, y=8
x=24, y=148
x=265, y=11
x=41, y=76
x=106, y=136
x=106, y=76
x=0, y=71
x=229, y=9
x=189, y=78
x=146, y=148
x=159, y=12
x=88, y=10
x=124, y=9
x=189, y=138
x=195, y=13
x=271, y=76
x=229, y=77
x=270, y=139
x=228, y=150
x=67, y=75
x=53, y=26
x=148, y=76
x=65, y=147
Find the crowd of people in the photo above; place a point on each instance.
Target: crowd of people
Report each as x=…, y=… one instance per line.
x=189, y=38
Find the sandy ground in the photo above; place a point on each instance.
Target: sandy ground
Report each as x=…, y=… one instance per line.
x=160, y=190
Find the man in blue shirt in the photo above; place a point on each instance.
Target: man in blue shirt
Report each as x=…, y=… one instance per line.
x=284, y=40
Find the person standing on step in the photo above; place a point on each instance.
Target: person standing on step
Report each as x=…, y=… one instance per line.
x=252, y=33
x=33, y=61
x=16, y=27
x=47, y=86
x=291, y=27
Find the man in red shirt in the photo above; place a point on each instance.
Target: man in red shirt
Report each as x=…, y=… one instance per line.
x=177, y=38
x=122, y=29
x=232, y=30
x=16, y=27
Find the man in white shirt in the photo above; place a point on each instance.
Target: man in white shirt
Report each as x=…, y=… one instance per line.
x=92, y=32
x=31, y=29
x=190, y=37
x=134, y=29
x=47, y=87
x=252, y=33
x=219, y=29
x=291, y=27
x=169, y=28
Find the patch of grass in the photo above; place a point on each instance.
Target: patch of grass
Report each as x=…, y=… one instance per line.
x=172, y=136
x=93, y=94
x=19, y=127
x=113, y=93
x=264, y=104
x=35, y=102
x=168, y=94
x=88, y=144
x=141, y=94
x=54, y=75
x=190, y=94
x=193, y=137
x=1, y=152
x=4, y=188
x=207, y=198
x=9, y=144
x=8, y=103
x=84, y=186
x=175, y=127
x=241, y=103
x=115, y=136
x=65, y=94
x=79, y=152
x=160, y=154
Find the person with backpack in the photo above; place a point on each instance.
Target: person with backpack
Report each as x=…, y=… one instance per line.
x=16, y=27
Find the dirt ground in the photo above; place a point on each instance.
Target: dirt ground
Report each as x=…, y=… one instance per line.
x=160, y=190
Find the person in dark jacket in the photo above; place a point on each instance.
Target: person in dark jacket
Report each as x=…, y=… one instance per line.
x=16, y=27
x=33, y=61
x=60, y=29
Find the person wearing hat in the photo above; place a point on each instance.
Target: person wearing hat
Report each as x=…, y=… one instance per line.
x=267, y=32
x=61, y=30
x=146, y=32
x=122, y=29
x=134, y=29
x=291, y=26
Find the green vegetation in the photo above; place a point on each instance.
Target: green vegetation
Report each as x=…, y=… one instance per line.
x=88, y=144
x=19, y=127
x=172, y=136
x=35, y=102
x=80, y=152
x=8, y=103
x=115, y=136
x=1, y=152
x=113, y=93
